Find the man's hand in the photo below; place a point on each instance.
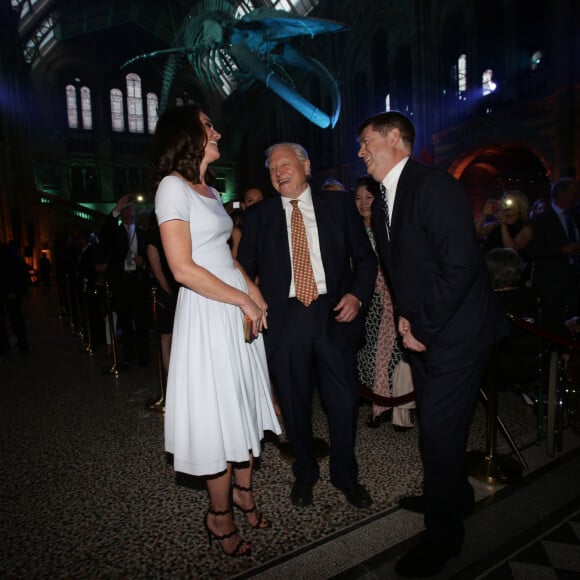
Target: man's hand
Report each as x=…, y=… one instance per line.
x=122, y=203
x=404, y=326
x=347, y=309
x=409, y=341
x=255, y=294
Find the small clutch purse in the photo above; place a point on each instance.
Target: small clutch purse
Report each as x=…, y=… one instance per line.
x=249, y=336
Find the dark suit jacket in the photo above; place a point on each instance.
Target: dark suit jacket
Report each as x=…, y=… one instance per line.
x=552, y=271
x=349, y=262
x=437, y=272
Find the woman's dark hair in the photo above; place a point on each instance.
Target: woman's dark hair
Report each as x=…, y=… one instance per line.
x=179, y=145
x=368, y=182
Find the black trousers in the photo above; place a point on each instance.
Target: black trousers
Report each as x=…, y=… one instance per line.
x=304, y=357
x=131, y=302
x=446, y=398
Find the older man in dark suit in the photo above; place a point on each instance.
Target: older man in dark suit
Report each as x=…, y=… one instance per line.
x=316, y=270
x=447, y=316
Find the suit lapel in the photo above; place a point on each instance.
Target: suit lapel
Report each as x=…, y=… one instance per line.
x=279, y=229
x=401, y=194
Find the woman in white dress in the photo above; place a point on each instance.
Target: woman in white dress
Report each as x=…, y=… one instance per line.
x=218, y=402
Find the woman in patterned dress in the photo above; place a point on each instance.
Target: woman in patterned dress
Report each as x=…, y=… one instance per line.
x=380, y=354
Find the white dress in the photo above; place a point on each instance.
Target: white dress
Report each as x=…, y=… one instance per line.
x=218, y=401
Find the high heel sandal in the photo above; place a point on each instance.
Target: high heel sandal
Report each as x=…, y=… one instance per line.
x=236, y=551
x=262, y=523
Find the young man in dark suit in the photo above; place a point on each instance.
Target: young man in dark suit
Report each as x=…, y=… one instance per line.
x=320, y=330
x=448, y=319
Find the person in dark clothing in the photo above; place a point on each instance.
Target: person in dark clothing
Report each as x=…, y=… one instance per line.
x=45, y=269
x=448, y=319
x=167, y=288
x=13, y=289
x=126, y=257
x=555, y=250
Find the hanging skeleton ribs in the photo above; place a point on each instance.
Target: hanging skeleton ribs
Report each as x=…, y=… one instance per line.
x=227, y=53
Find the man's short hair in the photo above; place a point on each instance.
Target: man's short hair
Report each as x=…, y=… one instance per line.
x=301, y=153
x=333, y=185
x=385, y=122
x=563, y=184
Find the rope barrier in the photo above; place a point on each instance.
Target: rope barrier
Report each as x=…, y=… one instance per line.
x=385, y=401
x=542, y=332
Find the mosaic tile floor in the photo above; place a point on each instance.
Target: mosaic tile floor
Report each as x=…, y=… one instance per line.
x=86, y=490
x=556, y=554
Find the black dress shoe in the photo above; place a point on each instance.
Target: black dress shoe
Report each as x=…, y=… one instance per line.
x=413, y=503
x=357, y=495
x=416, y=503
x=301, y=494
x=401, y=428
x=425, y=559
x=384, y=417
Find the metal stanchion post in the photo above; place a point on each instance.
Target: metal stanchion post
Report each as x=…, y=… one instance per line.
x=158, y=405
x=489, y=466
x=86, y=318
x=553, y=380
x=114, y=369
x=67, y=290
x=77, y=306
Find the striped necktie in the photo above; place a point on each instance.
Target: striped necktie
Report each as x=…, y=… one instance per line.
x=385, y=207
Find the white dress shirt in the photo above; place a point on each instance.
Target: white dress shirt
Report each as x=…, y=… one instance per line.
x=390, y=182
x=130, y=265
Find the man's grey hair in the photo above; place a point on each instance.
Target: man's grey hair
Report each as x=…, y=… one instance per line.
x=301, y=153
x=563, y=184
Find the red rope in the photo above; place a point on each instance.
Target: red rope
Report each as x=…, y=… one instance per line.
x=543, y=332
x=385, y=401
x=528, y=326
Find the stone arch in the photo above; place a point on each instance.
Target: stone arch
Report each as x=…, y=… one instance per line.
x=490, y=170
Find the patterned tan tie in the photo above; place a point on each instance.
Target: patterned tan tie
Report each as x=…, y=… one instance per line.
x=306, y=290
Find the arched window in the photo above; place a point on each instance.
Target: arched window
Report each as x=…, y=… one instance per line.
x=462, y=75
x=86, y=108
x=117, y=119
x=301, y=7
x=134, y=103
x=152, y=107
x=72, y=110
x=72, y=107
